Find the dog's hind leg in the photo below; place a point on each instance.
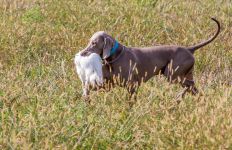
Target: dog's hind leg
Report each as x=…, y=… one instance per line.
x=182, y=73
x=188, y=84
x=187, y=81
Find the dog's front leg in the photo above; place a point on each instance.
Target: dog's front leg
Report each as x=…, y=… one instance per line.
x=86, y=92
x=132, y=90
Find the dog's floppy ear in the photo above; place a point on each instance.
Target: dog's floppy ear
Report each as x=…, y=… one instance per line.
x=108, y=44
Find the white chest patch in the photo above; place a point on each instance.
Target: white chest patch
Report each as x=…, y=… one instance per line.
x=89, y=69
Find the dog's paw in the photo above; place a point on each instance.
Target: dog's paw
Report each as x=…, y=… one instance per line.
x=86, y=99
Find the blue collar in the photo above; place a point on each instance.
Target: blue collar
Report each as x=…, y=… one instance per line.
x=113, y=50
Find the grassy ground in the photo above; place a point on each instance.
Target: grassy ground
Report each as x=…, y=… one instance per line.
x=40, y=93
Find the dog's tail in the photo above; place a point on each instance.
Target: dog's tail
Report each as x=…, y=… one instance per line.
x=192, y=49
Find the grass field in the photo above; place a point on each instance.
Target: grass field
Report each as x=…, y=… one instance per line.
x=40, y=93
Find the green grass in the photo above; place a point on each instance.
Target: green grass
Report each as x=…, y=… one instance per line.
x=40, y=93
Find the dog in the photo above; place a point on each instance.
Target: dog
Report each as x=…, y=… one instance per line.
x=89, y=70
x=130, y=66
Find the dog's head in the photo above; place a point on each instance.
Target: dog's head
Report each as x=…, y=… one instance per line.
x=100, y=43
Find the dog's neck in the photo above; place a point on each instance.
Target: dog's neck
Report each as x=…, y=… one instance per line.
x=116, y=54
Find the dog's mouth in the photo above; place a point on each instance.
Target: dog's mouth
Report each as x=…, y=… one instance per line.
x=85, y=53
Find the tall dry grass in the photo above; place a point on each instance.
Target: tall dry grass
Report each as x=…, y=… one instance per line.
x=40, y=94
